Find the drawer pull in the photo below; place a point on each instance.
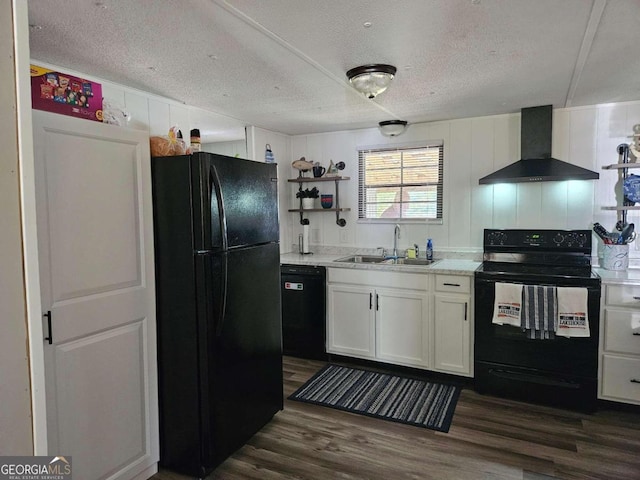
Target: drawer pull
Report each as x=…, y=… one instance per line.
x=457, y=285
x=636, y=334
x=636, y=298
x=634, y=380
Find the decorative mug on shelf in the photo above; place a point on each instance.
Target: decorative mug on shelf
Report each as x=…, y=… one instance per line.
x=326, y=200
x=318, y=171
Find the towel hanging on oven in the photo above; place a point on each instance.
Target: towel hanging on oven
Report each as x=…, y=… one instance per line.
x=572, y=312
x=508, y=304
x=539, y=312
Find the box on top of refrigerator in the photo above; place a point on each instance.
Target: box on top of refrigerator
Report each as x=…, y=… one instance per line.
x=65, y=94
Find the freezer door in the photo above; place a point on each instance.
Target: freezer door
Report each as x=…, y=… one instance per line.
x=249, y=198
x=208, y=221
x=243, y=388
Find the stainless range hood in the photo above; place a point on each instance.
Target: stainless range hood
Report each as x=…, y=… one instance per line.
x=536, y=164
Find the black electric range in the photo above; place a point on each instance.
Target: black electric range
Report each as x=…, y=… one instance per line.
x=560, y=371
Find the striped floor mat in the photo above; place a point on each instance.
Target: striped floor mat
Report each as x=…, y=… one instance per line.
x=390, y=397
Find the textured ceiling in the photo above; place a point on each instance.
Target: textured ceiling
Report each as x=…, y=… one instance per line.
x=280, y=64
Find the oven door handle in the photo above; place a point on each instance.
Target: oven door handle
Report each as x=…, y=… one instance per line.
x=532, y=378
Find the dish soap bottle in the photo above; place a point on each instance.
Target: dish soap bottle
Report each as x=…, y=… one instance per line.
x=429, y=249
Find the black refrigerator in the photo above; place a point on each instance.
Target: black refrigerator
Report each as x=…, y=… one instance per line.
x=218, y=306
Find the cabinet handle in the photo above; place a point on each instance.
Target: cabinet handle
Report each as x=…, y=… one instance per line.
x=370, y=300
x=636, y=334
x=457, y=285
x=636, y=298
x=465, y=311
x=377, y=302
x=634, y=380
x=48, y=317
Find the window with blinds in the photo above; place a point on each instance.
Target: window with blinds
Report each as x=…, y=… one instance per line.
x=400, y=183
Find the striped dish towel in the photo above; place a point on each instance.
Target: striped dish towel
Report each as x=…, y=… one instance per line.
x=539, y=312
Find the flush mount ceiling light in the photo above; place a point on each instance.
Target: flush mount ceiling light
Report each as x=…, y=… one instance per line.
x=371, y=80
x=392, y=128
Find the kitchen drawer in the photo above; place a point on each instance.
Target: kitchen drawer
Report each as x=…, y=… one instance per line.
x=623, y=295
x=621, y=378
x=622, y=331
x=453, y=283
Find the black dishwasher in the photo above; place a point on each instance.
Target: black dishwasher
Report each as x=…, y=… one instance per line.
x=303, y=311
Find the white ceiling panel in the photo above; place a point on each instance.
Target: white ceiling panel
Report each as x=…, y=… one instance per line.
x=280, y=64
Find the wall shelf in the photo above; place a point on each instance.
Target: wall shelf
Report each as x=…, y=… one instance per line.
x=626, y=207
x=341, y=222
x=316, y=179
x=622, y=167
x=322, y=209
x=618, y=166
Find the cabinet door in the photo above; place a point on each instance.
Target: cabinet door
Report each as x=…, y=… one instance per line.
x=402, y=334
x=451, y=333
x=350, y=318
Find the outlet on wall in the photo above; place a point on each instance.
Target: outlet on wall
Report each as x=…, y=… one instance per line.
x=315, y=235
x=344, y=236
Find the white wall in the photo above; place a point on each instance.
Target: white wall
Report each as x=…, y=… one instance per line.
x=474, y=147
x=236, y=148
x=15, y=397
x=257, y=139
x=151, y=112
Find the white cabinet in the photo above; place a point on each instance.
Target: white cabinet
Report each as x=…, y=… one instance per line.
x=619, y=376
x=402, y=326
x=367, y=319
x=452, y=324
x=351, y=326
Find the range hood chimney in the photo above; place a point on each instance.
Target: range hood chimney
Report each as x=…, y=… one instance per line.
x=536, y=164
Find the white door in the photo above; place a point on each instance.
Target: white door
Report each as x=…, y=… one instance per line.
x=402, y=328
x=351, y=321
x=452, y=333
x=95, y=240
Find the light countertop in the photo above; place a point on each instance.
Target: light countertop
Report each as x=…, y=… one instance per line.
x=631, y=275
x=453, y=266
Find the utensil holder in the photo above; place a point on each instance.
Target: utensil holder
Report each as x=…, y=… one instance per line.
x=615, y=257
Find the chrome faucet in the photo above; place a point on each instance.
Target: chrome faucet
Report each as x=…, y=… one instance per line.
x=396, y=236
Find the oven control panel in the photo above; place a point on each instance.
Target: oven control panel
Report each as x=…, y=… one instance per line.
x=556, y=240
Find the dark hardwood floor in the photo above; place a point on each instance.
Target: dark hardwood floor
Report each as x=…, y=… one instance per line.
x=490, y=438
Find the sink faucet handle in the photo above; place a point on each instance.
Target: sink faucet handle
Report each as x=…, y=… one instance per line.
x=384, y=251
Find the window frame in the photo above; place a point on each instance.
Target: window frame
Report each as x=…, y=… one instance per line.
x=397, y=147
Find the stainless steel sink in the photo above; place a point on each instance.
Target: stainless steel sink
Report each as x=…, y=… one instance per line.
x=362, y=259
x=380, y=259
x=409, y=261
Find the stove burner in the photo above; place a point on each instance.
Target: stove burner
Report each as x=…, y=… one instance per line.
x=541, y=272
x=538, y=255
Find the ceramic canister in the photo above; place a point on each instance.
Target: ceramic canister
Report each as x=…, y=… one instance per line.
x=615, y=257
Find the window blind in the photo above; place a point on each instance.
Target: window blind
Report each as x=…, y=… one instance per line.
x=400, y=183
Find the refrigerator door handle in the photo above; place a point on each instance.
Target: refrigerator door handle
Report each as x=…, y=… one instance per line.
x=214, y=186
x=223, y=303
